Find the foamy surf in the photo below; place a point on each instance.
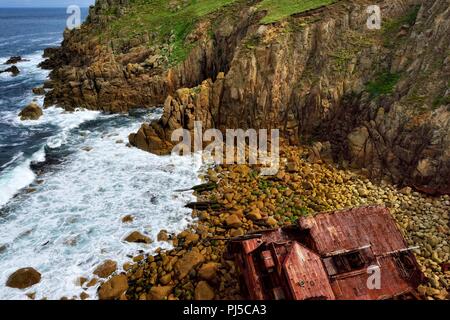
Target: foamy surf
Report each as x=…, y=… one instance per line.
x=72, y=222
x=15, y=178
x=18, y=174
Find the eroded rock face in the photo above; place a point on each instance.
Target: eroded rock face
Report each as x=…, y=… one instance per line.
x=327, y=86
x=314, y=75
x=24, y=278
x=31, y=112
x=116, y=76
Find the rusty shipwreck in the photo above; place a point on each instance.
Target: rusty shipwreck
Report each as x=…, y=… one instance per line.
x=329, y=256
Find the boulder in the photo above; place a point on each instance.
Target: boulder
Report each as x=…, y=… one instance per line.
x=23, y=278
x=106, y=269
x=203, y=291
x=113, y=288
x=159, y=292
x=163, y=236
x=31, y=112
x=255, y=214
x=233, y=221
x=208, y=271
x=188, y=262
x=271, y=221
x=138, y=237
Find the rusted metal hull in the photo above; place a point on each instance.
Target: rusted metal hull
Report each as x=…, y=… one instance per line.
x=357, y=254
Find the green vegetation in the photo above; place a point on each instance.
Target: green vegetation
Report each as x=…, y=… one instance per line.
x=165, y=21
x=390, y=28
x=168, y=23
x=383, y=84
x=440, y=101
x=279, y=9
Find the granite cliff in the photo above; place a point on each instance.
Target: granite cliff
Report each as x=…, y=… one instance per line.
x=379, y=99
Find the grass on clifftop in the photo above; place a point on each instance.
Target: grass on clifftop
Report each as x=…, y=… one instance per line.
x=168, y=21
x=280, y=9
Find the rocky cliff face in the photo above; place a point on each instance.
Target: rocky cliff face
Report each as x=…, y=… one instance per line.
x=380, y=97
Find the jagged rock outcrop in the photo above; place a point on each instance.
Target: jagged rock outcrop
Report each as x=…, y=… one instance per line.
x=380, y=97
x=119, y=74
x=13, y=70
x=313, y=83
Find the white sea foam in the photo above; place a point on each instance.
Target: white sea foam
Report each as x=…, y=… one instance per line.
x=73, y=221
x=18, y=177
x=29, y=70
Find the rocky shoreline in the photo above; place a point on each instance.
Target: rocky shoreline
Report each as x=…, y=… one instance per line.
x=366, y=142
x=198, y=267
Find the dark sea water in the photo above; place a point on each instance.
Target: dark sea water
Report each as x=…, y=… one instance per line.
x=24, y=32
x=67, y=179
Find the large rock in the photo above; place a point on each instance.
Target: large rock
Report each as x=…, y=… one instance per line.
x=203, y=291
x=13, y=70
x=23, y=278
x=159, y=293
x=31, y=112
x=138, y=237
x=208, y=271
x=113, y=288
x=188, y=262
x=233, y=221
x=106, y=269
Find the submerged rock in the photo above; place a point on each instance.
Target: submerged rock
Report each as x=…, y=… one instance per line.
x=14, y=60
x=23, y=278
x=31, y=112
x=128, y=219
x=13, y=70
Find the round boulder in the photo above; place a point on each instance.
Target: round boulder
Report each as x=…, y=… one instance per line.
x=23, y=278
x=138, y=237
x=31, y=112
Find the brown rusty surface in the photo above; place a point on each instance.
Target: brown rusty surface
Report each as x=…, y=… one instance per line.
x=305, y=274
x=351, y=229
x=328, y=257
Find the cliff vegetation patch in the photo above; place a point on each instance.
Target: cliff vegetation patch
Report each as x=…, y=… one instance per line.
x=280, y=9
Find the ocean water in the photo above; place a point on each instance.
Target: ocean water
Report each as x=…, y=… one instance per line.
x=67, y=179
